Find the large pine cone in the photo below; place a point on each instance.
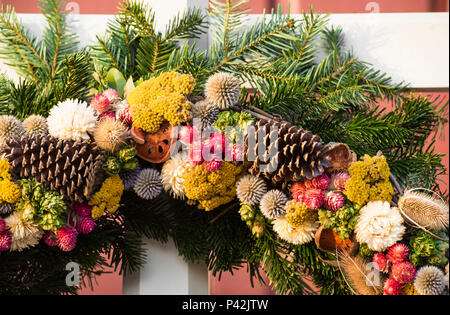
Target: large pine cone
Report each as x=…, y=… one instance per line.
x=72, y=168
x=300, y=154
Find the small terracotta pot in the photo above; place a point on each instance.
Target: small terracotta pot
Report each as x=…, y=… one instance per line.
x=325, y=240
x=153, y=147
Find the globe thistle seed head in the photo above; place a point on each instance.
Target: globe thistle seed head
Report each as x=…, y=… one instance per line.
x=129, y=178
x=430, y=280
x=10, y=128
x=35, y=125
x=223, y=89
x=272, y=204
x=148, y=184
x=110, y=134
x=206, y=112
x=250, y=189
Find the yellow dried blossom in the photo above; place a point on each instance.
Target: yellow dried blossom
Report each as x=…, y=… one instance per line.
x=5, y=167
x=297, y=213
x=409, y=289
x=161, y=98
x=369, y=180
x=9, y=191
x=211, y=189
x=108, y=197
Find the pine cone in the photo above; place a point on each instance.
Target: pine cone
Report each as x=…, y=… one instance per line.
x=299, y=154
x=72, y=168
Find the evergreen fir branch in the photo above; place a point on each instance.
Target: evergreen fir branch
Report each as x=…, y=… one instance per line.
x=190, y=25
x=227, y=18
x=139, y=16
x=310, y=28
x=76, y=77
x=111, y=56
x=57, y=40
x=19, y=48
x=153, y=56
x=278, y=262
x=6, y=86
x=117, y=48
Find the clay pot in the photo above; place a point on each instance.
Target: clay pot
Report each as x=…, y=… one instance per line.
x=326, y=240
x=153, y=147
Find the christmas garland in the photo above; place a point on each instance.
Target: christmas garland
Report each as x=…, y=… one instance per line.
x=185, y=151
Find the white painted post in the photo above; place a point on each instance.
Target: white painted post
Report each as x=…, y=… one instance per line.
x=165, y=272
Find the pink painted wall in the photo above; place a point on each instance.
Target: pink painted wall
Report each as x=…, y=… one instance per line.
x=239, y=282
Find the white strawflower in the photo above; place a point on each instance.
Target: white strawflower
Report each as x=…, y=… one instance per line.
x=379, y=226
x=71, y=120
x=295, y=235
x=171, y=175
x=24, y=233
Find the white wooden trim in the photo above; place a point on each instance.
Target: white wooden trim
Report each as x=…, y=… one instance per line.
x=409, y=47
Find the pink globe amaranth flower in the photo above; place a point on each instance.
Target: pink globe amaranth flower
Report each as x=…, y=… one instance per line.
x=338, y=180
x=381, y=263
x=3, y=226
x=314, y=198
x=320, y=182
x=186, y=134
x=86, y=225
x=82, y=209
x=51, y=239
x=213, y=165
x=196, y=154
x=403, y=271
x=334, y=200
x=108, y=114
x=298, y=195
x=67, y=238
x=100, y=103
x=5, y=241
x=235, y=152
x=392, y=287
x=125, y=116
x=112, y=95
x=397, y=253
x=216, y=144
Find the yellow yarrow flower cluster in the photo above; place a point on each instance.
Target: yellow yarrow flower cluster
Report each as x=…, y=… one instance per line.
x=298, y=213
x=409, y=289
x=108, y=197
x=369, y=181
x=211, y=189
x=9, y=191
x=161, y=98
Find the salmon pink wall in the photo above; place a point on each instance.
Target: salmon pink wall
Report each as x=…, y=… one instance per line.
x=257, y=6
x=239, y=282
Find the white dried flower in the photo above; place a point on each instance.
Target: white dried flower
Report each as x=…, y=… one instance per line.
x=71, y=120
x=301, y=234
x=24, y=233
x=171, y=175
x=379, y=226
